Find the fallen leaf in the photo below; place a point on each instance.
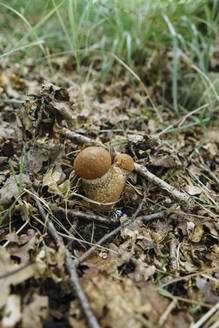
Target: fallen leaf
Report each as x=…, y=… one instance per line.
x=10, y=189
x=197, y=233
x=35, y=313
x=193, y=190
x=11, y=313
x=11, y=275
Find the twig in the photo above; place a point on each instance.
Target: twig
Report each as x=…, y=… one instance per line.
x=70, y=265
x=153, y=216
x=79, y=137
x=179, y=196
x=206, y=316
x=186, y=300
x=189, y=276
x=100, y=219
x=112, y=233
x=81, y=215
x=8, y=274
x=164, y=316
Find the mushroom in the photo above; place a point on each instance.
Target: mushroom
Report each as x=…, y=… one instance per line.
x=102, y=181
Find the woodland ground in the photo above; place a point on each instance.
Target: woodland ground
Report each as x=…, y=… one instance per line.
x=142, y=81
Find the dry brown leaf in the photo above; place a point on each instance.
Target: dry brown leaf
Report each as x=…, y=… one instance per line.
x=36, y=312
x=25, y=244
x=11, y=313
x=197, y=233
x=208, y=295
x=11, y=275
x=10, y=189
x=50, y=264
x=121, y=301
x=54, y=180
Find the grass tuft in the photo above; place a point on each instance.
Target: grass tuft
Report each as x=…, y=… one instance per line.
x=129, y=30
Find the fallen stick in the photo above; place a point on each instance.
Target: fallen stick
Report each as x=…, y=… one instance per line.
x=79, y=137
x=60, y=211
x=181, y=197
x=100, y=219
x=70, y=265
x=153, y=216
x=110, y=234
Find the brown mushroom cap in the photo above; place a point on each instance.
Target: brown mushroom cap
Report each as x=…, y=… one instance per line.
x=125, y=162
x=92, y=162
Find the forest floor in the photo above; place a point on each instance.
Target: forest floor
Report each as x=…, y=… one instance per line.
x=156, y=271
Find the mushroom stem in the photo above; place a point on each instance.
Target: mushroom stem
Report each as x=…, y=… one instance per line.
x=108, y=188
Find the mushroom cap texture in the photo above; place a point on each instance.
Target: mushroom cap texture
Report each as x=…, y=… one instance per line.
x=92, y=162
x=125, y=162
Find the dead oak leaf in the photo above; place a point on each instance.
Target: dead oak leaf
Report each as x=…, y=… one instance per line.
x=54, y=181
x=11, y=313
x=197, y=233
x=25, y=243
x=10, y=189
x=121, y=299
x=11, y=275
x=117, y=261
x=208, y=295
x=50, y=263
x=35, y=312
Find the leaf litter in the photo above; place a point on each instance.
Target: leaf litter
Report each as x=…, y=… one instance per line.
x=161, y=273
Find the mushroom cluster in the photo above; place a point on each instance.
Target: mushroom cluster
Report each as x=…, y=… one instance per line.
x=102, y=181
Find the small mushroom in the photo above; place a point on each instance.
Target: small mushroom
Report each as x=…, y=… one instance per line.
x=102, y=181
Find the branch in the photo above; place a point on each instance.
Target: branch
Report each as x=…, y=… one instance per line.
x=78, y=137
x=153, y=216
x=60, y=211
x=70, y=265
x=181, y=197
x=110, y=234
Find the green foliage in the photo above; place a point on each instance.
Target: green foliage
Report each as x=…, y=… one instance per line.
x=125, y=29
x=121, y=27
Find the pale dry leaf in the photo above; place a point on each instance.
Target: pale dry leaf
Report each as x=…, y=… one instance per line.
x=164, y=161
x=26, y=242
x=50, y=264
x=53, y=179
x=142, y=271
x=193, y=190
x=36, y=312
x=208, y=295
x=213, y=135
x=11, y=313
x=6, y=131
x=211, y=149
x=76, y=323
x=197, y=233
x=121, y=300
x=10, y=189
x=12, y=237
x=41, y=264
x=133, y=231
x=11, y=275
x=194, y=170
